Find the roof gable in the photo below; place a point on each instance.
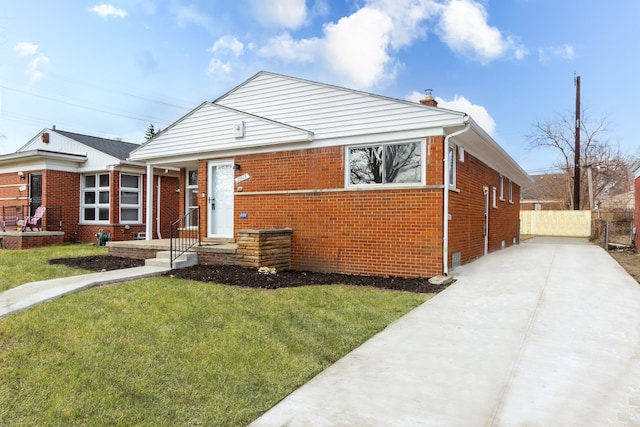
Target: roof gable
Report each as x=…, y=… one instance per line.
x=211, y=127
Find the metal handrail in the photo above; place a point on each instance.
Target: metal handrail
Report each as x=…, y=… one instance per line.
x=184, y=234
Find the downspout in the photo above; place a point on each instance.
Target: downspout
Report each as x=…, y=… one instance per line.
x=445, y=219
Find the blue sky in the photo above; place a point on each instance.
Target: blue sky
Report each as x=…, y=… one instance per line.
x=111, y=68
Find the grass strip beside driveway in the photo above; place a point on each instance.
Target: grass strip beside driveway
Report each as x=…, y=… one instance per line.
x=18, y=267
x=166, y=351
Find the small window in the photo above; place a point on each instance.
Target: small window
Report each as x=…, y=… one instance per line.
x=452, y=166
x=385, y=164
x=501, y=187
x=495, y=201
x=130, y=199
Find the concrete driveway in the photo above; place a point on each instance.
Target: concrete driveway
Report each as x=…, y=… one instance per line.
x=543, y=334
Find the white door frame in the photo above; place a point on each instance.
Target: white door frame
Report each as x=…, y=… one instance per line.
x=212, y=198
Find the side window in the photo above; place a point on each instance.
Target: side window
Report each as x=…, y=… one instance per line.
x=495, y=201
x=452, y=166
x=510, y=191
x=501, y=188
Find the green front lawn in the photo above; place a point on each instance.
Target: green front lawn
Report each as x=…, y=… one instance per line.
x=166, y=351
x=18, y=267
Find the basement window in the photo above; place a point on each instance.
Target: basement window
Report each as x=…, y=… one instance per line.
x=385, y=164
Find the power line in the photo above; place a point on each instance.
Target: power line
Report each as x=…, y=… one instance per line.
x=85, y=107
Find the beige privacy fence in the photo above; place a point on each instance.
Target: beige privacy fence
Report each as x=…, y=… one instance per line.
x=556, y=223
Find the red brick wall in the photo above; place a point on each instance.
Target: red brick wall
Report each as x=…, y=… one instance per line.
x=63, y=189
x=467, y=209
x=394, y=232
x=10, y=189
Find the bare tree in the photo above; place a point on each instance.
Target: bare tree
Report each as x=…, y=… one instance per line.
x=610, y=167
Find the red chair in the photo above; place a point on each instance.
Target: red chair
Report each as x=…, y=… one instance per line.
x=34, y=221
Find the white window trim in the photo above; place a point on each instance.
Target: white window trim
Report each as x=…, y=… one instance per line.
x=453, y=173
x=97, y=205
x=510, y=191
x=187, y=193
x=501, y=188
x=495, y=201
x=137, y=206
x=423, y=153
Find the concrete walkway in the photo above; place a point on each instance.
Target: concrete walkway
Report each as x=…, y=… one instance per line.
x=545, y=333
x=30, y=294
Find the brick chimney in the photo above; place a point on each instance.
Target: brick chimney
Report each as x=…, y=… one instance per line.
x=428, y=99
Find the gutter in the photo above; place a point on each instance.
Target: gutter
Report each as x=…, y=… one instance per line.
x=445, y=219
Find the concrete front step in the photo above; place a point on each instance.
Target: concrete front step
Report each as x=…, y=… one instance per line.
x=163, y=259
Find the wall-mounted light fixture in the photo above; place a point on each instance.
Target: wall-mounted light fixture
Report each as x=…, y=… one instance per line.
x=236, y=166
x=21, y=175
x=203, y=194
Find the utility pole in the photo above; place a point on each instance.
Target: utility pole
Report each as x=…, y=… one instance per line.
x=576, y=157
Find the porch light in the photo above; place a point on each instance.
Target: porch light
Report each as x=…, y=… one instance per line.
x=21, y=175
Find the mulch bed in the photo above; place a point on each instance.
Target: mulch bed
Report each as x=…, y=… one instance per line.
x=252, y=278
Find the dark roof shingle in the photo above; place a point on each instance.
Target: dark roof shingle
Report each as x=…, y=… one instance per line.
x=118, y=149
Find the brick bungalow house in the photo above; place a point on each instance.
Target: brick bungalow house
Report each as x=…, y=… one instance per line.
x=368, y=184
x=87, y=185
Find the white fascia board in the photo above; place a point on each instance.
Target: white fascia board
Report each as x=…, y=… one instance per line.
x=481, y=145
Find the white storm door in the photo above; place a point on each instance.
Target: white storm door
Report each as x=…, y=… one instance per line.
x=220, y=200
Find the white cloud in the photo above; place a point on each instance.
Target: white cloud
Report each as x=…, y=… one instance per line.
x=360, y=49
x=408, y=18
x=284, y=47
x=216, y=66
x=26, y=48
x=228, y=43
x=464, y=28
x=34, y=69
x=192, y=15
x=459, y=103
x=477, y=112
x=107, y=10
x=280, y=13
x=356, y=48
x=563, y=52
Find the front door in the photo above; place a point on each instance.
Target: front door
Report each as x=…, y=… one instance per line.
x=35, y=192
x=220, y=199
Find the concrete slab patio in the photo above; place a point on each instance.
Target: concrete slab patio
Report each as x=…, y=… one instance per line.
x=545, y=333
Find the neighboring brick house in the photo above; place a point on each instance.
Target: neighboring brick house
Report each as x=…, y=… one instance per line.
x=85, y=182
x=358, y=177
x=547, y=192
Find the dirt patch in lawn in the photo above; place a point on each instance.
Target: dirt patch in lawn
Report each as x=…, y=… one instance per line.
x=252, y=278
x=629, y=260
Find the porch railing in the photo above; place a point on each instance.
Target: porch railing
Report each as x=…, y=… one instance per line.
x=184, y=234
x=51, y=220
